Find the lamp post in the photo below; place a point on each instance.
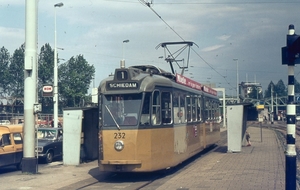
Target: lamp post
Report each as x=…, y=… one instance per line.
x=55, y=90
x=124, y=41
x=237, y=80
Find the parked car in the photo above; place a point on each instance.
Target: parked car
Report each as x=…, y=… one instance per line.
x=4, y=122
x=11, y=145
x=49, y=143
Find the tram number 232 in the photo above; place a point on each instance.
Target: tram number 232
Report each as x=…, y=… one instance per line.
x=119, y=135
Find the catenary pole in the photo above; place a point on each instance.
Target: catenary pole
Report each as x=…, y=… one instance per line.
x=29, y=161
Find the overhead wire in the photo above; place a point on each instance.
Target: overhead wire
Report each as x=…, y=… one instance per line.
x=149, y=5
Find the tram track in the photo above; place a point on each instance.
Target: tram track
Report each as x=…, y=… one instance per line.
x=140, y=181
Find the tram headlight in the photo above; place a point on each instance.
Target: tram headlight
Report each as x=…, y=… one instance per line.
x=119, y=145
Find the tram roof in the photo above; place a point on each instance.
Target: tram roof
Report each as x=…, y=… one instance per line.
x=150, y=76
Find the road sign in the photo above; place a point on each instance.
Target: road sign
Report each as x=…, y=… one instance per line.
x=47, y=91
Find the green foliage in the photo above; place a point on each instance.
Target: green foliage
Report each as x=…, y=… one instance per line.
x=16, y=73
x=279, y=89
x=45, y=75
x=75, y=77
x=297, y=86
x=4, y=72
x=46, y=65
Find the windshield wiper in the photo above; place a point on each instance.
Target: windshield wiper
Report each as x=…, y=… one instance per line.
x=112, y=117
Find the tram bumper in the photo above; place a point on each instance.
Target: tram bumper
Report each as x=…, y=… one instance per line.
x=119, y=165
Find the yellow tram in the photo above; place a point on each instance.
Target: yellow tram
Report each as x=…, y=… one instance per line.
x=152, y=120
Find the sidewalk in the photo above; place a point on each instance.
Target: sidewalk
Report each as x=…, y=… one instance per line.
x=260, y=166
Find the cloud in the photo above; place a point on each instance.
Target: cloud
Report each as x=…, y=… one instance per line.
x=212, y=48
x=223, y=37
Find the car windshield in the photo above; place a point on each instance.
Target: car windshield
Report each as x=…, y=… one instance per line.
x=121, y=109
x=44, y=134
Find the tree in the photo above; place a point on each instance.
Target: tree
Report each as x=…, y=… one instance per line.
x=45, y=75
x=4, y=72
x=268, y=91
x=280, y=89
x=75, y=77
x=16, y=73
x=297, y=86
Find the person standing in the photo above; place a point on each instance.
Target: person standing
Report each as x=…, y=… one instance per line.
x=248, y=138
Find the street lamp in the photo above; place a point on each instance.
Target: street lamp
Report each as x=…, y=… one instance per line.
x=55, y=90
x=237, y=80
x=124, y=41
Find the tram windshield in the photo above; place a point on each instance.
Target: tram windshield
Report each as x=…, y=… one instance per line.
x=121, y=109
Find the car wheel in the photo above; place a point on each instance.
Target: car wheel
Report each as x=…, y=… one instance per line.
x=49, y=157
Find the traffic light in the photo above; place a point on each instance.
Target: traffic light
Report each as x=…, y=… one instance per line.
x=291, y=53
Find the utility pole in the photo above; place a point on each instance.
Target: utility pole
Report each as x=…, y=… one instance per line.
x=55, y=81
x=29, y=161
x=272, y=107
x=237, y=80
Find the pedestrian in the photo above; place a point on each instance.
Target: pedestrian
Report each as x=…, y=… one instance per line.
x=248, y=138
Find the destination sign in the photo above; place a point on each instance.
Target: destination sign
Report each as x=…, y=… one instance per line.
x=122, y=85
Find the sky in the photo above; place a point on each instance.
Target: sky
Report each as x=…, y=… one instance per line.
x=251, y=31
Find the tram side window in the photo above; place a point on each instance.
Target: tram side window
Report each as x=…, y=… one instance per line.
x=199, y=117
x=188, y=108
x=206, y=112
x=156, y=112
x=214, y=110
x=211, y=110
x=182, y=108
x=166, y=107
x=176, y=109
x=145, y=117
x=194, y=111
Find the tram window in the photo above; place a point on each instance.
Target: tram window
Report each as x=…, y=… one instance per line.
x=214, y=110
x=145, y=117
x=194, y=111
x=176, y=109
x=166, y=107
x=210, y=110
x=121, y=109
x=199, y=109
x=206, y=112
x=182, y=108
x=156, y=115
x=188, y=108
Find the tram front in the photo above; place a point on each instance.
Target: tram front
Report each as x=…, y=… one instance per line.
x=120, y=110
